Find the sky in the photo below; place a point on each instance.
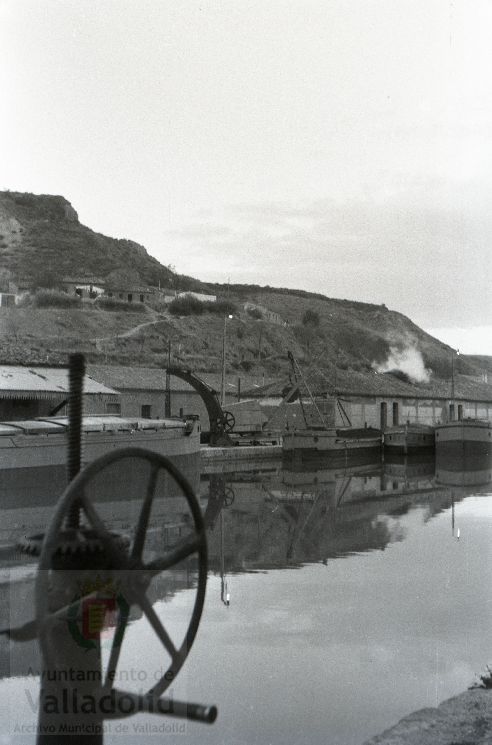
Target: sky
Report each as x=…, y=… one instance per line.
x=338, y=146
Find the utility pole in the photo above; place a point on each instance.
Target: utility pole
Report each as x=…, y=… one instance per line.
x=452, y=377
x=453, y=404
x=223, y=376
x=167, y=399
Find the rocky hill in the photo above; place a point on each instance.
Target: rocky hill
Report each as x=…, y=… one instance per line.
x=41, y=235
x=42, y=240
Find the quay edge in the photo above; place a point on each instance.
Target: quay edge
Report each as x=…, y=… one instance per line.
x=240, y=453
x=465, y=719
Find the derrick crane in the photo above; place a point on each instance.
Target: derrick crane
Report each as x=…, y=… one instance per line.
x=221, y=422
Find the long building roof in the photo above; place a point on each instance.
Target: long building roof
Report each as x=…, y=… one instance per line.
x=154, y=379
x=17, y=381
x=352, y=383
x=348, y=382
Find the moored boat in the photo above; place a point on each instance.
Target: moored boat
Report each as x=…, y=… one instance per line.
x=331, y=439
x=409, y=437
x=465, y=435
x=324, y=436
x=43, y=442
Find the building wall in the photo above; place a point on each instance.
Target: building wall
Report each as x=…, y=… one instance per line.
x=15, y=409
x=291, y=416
x=366, y=411
x=130, y=296
x=24, y=408
x=95, y=404
x=199, y=296
x=182, y=402
x=7, y=300
x=430, y=411
x=82, y=289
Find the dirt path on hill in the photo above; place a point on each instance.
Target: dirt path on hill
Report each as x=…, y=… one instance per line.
x=133, y=331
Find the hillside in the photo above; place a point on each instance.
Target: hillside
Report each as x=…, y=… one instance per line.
x=347, y=339
x=42, y=240
x=481, y=361
x=41, y=235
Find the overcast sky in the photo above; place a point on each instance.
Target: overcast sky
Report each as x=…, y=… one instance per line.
x=340, y=146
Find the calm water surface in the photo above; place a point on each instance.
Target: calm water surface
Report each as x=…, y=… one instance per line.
x=357, y=594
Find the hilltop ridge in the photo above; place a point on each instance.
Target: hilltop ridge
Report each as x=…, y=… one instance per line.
x=41, y=236
x=42, y=240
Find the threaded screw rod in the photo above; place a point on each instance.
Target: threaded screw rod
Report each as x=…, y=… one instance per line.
x=76, y=372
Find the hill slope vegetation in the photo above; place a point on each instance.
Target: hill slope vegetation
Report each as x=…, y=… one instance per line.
x=41, y=238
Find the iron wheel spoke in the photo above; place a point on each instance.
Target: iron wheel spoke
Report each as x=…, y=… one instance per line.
x=157, y=625
x=174, y=556
x=117, y=556
x=116, y=648
x=143, y=519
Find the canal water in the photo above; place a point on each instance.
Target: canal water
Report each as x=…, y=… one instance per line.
x=340, y=598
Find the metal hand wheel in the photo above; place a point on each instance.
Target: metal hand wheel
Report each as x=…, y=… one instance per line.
x=228, y=421
x=229, y=496
x=136, y=574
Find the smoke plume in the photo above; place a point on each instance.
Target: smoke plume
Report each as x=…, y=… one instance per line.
x=408, y=361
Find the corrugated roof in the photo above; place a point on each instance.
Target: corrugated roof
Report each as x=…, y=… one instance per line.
x=351, y=383
x=154, y=379
x=129, y=378
x=43, y=382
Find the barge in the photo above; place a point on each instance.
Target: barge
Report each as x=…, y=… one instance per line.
x=409, y=438
x=334, y=440
x=43, y=442
x=465, y=436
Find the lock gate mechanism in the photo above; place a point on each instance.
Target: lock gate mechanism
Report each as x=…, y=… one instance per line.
x=80, y=559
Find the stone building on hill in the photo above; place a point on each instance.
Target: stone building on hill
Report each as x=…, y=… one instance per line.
x=130, y=293
x=84, y=287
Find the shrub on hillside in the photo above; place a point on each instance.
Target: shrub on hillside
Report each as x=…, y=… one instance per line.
x=186, y=305
x=310, y=318
x=112, y=304
x=254, y=313
x=221, y=307
x=55, y=299
x=246, y=365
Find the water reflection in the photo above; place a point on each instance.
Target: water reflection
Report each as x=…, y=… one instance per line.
x=307, y=512
x=348, y=577
x=464, y=469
